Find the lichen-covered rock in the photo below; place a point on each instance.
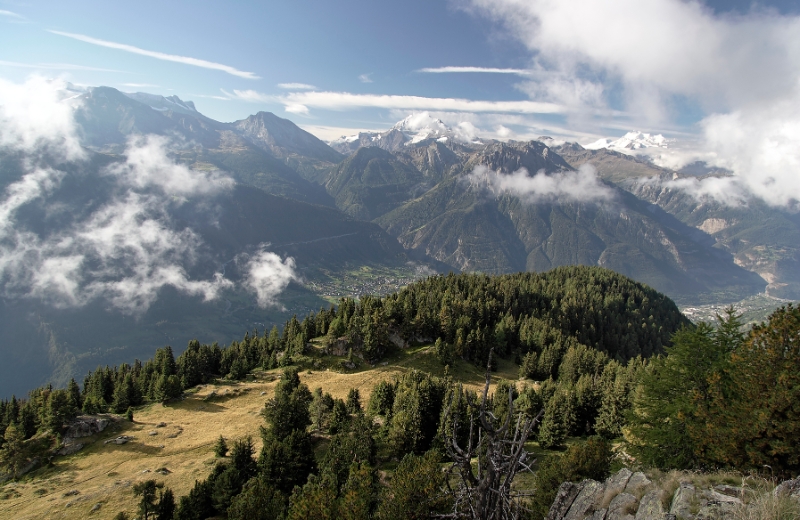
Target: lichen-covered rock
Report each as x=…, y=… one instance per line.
x=122, y=439
x=713, y=496
x=85, y=425
x=587, y=501
x=563, y=501
x=716, y=511
x=650, y=507
x=600, y=514
x=681, y=505
x=731, y=491
x=69, y=449
x=615, y=484
x=622, y=506
x=788, y=487
x=637, y=483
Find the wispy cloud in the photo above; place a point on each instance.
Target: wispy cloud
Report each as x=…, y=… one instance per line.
x=296, y=86
x=346, y=100
x=10, y=14
x=159, y=55
x=207, y=96
x=252, y=96
x=487, y=70
x=140, y=85
x=55, y=66
x=365, y=78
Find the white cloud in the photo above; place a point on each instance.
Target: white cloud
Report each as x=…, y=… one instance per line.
x=148, y=165
x=140, y=85
x=159, y=55
x=346, y=100
x=365, y=78
x=250, y=96
x=123, y=252
x=34, y=118
x=296, y=86
x=11, y=14
x=582, y=185
x=486, y=70
x=726, y=190
x=743, y=71
x=126, y=247
x=55, y=66
x=267, y=275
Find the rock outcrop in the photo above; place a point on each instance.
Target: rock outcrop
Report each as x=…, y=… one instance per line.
x=632, y=496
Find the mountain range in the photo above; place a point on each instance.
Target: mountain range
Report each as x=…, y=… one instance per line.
x=419, y=197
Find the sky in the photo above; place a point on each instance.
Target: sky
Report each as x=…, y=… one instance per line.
x=707, y=74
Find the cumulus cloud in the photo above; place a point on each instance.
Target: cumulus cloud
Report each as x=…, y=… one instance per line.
x=123, y=248
x=582, y=185
x=147, y=165
x=34, y=118
x=124, y=252
x=267, y=275
x=742, y=71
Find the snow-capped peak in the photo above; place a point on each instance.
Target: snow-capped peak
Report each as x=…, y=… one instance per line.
x=421, y=126
x=631, y=141
x=162, y=104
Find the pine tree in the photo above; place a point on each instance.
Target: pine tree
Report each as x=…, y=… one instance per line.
x=147, y=504
x=221, y=447
x=353, y=403
x=12, y=454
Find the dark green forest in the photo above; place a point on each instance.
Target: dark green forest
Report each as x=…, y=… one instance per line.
x=601, y=358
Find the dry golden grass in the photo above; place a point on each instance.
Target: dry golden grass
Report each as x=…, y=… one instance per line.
x=104, y=474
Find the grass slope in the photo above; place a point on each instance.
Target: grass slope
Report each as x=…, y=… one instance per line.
x=105, y=474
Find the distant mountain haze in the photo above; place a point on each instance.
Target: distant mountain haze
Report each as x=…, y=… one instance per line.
x=171, y=226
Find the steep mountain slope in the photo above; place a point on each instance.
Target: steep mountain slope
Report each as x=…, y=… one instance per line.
x=372, y=182
x=761, y=239
x=108, y=119
x=311, y=157
x=463, y=226
x=610, y=165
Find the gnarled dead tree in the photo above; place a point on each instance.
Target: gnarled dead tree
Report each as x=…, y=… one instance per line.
x=485, y=492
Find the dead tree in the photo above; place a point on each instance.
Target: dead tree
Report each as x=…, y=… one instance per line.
x=485, y=492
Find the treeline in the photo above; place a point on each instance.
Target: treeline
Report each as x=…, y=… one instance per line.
x=544, y=313
x=538, y=318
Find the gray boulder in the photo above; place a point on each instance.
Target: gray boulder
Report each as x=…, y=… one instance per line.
x=637, y=483
x=650, y=507
x=567, y=492
x=615, y=484
x=621, y=507
x=788, y=487
x=587, y=501
x=681, y=505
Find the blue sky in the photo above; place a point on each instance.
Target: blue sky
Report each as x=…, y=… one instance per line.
x=337, y=67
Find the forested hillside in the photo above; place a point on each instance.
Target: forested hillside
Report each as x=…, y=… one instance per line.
x=597, y=355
